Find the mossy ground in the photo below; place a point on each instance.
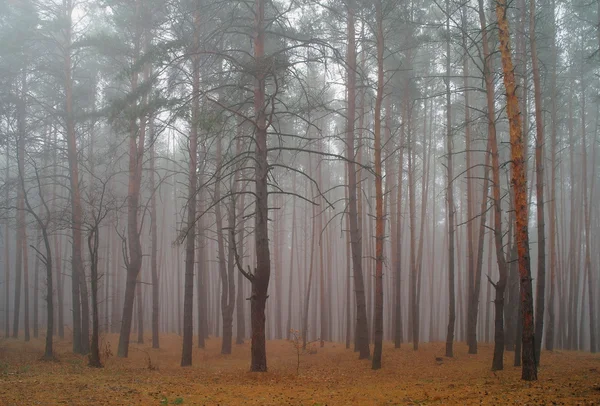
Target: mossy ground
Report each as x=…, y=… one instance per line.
x=332, y=376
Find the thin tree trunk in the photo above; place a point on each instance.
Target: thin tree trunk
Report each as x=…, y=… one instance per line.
x=587, y=213
x=292, y=254
x=93, y=243
x=201, y=270
x=348, y=273
x=539, y=170
x=262, y=274
x=154, y=240
x=362, y=332
x=500, y=286
x=136, y=153
x=313, y=241
x=449, y=199
x=380, y=225
x=20, y=212
x=552, y=215
x=239, y=303
x=190, y=229
x=7, y=251
x=76, y=211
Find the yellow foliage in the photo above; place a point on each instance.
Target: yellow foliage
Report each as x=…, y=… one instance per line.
x=334, y=376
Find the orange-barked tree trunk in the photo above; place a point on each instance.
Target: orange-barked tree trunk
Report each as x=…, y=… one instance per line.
x=379, y=225
x=519, y=185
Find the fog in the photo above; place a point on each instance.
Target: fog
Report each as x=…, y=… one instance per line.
x=337, y=171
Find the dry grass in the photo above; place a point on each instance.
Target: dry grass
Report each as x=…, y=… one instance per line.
x=333, y=376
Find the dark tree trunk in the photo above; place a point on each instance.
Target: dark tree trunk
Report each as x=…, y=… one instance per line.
x=293, y=252
x=201, y=270
x=7, y=254
x=20, y=254
x=500, y=286
x=552, y=184
x=239, y=303
x=154, y=241
x=262, y=273
x=190, y=230
x=136, y=154
x=539, y=170
x=450, y=200
x=93, y=242
x=380, y=228
x=362, y=332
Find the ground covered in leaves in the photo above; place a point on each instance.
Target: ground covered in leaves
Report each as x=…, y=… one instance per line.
x=332, y=376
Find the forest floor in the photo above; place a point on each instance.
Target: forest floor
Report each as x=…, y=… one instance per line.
x=332, y=376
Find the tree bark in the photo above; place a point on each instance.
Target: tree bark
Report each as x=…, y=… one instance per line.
x=539, y=170
x=7, y=252
x=362, y=332
x=519, y=185
x=93, y=243
x=587, y=214
x=552, y=215
x=190, y=234
x=500, y=286
x=136, y=154
x=380, y=225
x=262, y=273
x=449, y=198
x=154, y=240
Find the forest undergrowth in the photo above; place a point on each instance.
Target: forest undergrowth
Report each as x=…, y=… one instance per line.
x=331, y=376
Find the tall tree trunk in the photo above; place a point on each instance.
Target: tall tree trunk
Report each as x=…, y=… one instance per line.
x=48, y=347
x=500, y=286
x=93, y=243
x=323, y=328
x=362, y=337
x=36, y=288
x=21, y=236
x=190, y=237
x=539, y=170
x=136, y=154
x=277, y=265
x=473, y=292
x=239, y=303
x=424, y=192
x=76, y=210
x=552, y=215
x=201, y=268
x=412, y=294
x=573, y=239
x=449, y=198
x=476, y=289
x=398, y=270
x=519, y=185
x=587, y=213
x=43, y=226
x=380, y=225
x=262, y=273
x=293, y=252
x=313, y=241
x=154, y=240
x=349, y=302
x=7, y=252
